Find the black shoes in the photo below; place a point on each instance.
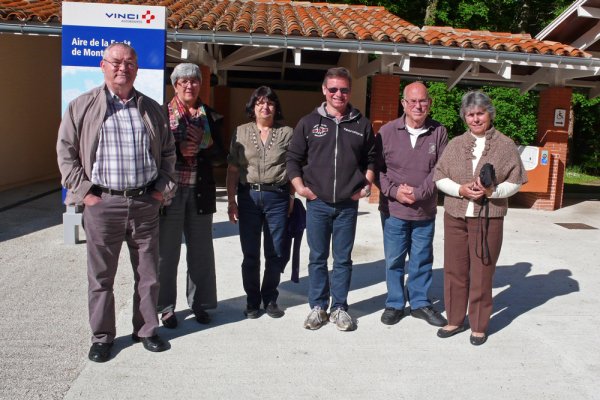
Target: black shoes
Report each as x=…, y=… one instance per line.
x=430, y=315
x=252, y=312
x=170, y=322
x=446, y=333
x=202, y=316
x=478, y=340
x=391, y=316
x=153, y=343
x=273, y=310
x=100, y=352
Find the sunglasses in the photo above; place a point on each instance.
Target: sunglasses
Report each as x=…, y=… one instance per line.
x=334, y=90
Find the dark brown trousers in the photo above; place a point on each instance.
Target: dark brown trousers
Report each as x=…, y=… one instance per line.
x=107, y=224
x=467, y=281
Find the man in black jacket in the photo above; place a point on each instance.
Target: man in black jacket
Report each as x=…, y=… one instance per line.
x=330, y=162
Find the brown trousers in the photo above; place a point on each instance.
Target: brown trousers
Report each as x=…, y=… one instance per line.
x=107, y=224
x=466, y=279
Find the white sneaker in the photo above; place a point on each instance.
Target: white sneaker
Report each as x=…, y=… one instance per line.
x=315, y=319
x=342, y=320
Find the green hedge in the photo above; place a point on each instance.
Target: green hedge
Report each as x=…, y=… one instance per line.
x=515, y=113
x=584, y=151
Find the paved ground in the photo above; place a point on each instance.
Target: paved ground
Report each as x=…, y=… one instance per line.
x=543, y=342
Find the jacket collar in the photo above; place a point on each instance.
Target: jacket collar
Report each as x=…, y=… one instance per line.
x=351, y=115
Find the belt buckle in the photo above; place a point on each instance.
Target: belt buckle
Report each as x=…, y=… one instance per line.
x=133, y=192
x=137, y=192
x=255, y=186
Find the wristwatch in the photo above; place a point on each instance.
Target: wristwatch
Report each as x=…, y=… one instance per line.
x=367, y=191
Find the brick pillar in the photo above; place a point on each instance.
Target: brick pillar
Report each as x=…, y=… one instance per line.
x=555, y=139
x=385, y=99
x=205, y=87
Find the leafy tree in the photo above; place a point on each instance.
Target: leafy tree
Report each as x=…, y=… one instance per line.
x=529, y=16
x=446, y=107
x=585, y=146
x=525, y=16
x=516, y=114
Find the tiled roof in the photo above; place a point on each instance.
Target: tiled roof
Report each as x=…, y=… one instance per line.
x=500, y=41
x=303, y=19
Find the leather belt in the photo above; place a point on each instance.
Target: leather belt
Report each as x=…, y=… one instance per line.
x=263, y=187
x=137, y=192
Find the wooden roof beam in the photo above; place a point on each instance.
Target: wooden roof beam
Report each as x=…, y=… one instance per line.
x=588, y=38
x=588, y=12
x=244, y=54
x=458, y=74
x=503, y=69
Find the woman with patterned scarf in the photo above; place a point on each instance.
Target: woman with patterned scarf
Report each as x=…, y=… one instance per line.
x=196, y=129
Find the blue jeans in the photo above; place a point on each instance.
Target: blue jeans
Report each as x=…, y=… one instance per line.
x=324, y=222
x=415, y=238
x=262, y=212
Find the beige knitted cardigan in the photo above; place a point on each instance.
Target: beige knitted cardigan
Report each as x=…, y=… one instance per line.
x=456, y=164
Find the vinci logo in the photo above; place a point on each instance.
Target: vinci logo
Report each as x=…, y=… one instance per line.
x=132, y=18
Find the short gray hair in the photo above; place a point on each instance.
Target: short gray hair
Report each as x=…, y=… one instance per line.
x=121, y=44
x=475, y=98
x=185, y=70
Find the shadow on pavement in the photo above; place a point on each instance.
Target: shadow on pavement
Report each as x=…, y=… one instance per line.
x=32, y=216
x=526, y=292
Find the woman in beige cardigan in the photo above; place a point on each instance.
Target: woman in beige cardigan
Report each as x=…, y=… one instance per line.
x=474, y=214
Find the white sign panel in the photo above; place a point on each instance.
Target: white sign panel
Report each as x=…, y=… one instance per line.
x=530, y=156
x=560, y=116
x=88, y=28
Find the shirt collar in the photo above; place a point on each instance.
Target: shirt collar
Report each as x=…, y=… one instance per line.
x=116, y=99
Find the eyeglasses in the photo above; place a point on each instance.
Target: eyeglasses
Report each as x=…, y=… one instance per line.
x=413, y=103
x=188, y=82
x=334, y=90
x=117, y=65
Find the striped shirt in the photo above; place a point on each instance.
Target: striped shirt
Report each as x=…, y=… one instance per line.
x=123, y=158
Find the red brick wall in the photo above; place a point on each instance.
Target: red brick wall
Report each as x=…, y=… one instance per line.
x=555, y=139
x=385, y=99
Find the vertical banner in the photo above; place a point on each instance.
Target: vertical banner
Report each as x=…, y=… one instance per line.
x=88, y=28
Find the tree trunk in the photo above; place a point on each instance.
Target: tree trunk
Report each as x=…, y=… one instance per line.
x=430, y=12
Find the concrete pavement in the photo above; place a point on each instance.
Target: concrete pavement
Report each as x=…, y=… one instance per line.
x=542, y=344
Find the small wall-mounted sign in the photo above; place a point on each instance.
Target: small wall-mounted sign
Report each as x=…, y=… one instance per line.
x=545, y=157
x=560, y=116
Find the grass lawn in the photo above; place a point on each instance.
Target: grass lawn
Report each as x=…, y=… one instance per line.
x=573, y=176
x=579, y=182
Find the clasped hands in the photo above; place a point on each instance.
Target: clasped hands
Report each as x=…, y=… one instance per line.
x=405, y=194
x=474, y=190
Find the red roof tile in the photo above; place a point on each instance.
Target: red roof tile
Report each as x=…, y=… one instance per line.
x=312, y=20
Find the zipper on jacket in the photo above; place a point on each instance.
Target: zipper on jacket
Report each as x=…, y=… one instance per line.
x=335, y=152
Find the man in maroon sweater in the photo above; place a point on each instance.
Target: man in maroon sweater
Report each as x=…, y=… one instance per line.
x=408, y=149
